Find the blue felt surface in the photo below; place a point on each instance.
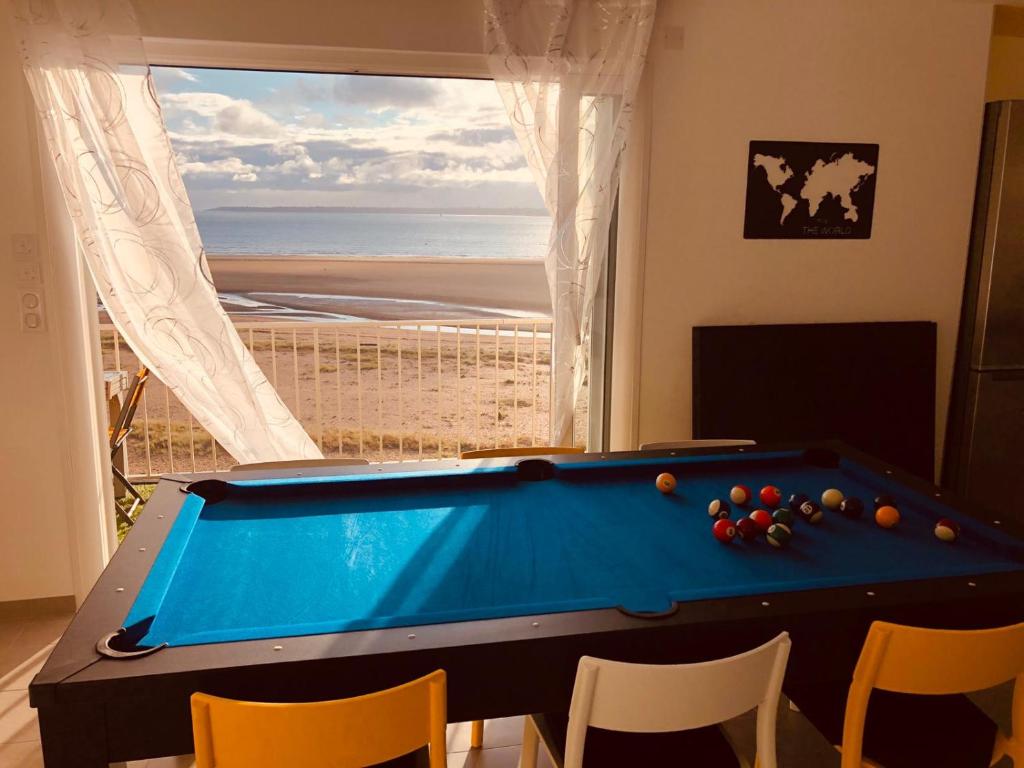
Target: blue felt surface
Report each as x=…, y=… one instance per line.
x=314, y=557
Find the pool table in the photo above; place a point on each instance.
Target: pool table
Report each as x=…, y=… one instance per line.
x=291, y=586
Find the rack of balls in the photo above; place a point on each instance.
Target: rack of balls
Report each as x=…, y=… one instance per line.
x=776, y=522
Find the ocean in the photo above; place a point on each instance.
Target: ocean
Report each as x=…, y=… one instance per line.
x=346, y=233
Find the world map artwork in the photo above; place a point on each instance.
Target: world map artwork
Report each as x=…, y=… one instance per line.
x=801, y=189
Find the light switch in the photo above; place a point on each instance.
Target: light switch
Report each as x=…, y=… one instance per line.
x=24, y=246
x=28, y=273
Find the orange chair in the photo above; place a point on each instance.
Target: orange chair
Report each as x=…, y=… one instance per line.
x=347, y=733
x=932, y=663
x=476, y=736
x=503, y=453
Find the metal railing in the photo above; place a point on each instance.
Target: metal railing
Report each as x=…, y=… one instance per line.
x=385, y=391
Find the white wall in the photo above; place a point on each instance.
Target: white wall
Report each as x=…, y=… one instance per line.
x=870, y=71
x=34, y=553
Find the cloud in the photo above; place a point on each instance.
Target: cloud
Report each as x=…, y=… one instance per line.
x=222, y=113
x=298, y=139
x=475, y=137
x=386, y=92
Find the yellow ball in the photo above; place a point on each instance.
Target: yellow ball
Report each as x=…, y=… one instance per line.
x=832, y=498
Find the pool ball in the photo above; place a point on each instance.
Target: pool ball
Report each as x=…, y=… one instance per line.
x=770, y=496
x=810, y=512
x=797, y=499
x=947, y=530
x=884, y=501
x=851, y=507
x=719, y=508
x=666, y=483
x=831, y=498
x=747, y=529
x=784, y=515
x=724, y=530
x=887, y=516
x=779, y=535
x=739, y=494
x=762, y=518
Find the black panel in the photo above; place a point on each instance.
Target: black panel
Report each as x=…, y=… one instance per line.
x=871, y=385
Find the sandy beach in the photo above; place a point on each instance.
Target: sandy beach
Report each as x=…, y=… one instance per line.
x=326, y=288
x=367, y=363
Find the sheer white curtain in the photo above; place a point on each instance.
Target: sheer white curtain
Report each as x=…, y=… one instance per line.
x=568, y=71
x=92, y=88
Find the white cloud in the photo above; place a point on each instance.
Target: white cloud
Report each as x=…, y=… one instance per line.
x=449, y=138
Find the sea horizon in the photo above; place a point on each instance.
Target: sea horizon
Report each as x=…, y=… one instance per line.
x=328, y=231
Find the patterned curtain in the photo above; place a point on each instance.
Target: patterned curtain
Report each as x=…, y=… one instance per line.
x=92, y=88
x=568, y=72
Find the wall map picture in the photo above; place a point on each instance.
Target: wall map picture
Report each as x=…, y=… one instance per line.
x=807, y=189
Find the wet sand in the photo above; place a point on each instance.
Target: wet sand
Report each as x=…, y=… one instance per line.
x=324, y=288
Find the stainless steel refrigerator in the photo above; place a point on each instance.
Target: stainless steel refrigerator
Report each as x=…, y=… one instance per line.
x=984, y=455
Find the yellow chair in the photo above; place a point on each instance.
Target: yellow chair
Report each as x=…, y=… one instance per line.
x=929, y=663
x=476, y=736
x=347, y=733
x=503, y=453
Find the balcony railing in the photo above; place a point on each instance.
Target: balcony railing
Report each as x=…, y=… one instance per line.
x=384, y=391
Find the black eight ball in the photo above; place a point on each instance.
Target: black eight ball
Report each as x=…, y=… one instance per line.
x=851, y=507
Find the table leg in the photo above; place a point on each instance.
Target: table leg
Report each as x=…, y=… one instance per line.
x=73, y=736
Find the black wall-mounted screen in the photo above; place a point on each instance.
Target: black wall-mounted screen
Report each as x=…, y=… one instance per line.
x=871, y=385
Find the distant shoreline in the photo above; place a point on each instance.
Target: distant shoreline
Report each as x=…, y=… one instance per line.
x=371, y=209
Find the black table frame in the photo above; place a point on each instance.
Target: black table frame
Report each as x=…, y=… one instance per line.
x=95, y=710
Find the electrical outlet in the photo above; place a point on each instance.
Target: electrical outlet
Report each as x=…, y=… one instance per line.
x=24, y=246
x=30, y=303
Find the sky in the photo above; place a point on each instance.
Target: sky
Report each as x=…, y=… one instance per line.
x=283, y=138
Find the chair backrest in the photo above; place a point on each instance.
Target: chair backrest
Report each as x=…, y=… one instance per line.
x=939, y=661
x=933, y=662
x=536, y=450
x=125, y=416
x=710, y=443
x=301, y=463
x=655, y=698
x=347, y=733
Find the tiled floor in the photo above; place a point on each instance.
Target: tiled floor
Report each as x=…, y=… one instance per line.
x=26, y=642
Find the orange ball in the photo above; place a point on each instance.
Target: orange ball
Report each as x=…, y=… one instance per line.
x=887, y=516
x=666, y=483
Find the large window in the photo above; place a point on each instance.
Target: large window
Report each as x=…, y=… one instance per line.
x=379, y=243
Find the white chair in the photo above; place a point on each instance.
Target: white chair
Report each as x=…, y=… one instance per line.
x=694, y=444
x=659, y=699
x=300, y=464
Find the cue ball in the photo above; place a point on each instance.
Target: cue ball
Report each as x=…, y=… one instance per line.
x=719, y=508
x=779, y=535
x=810, y=512
x=762, y=519
x=947, y=530
x=724, y=530
x=852, y=507
x=887, y=516
x=831, y=498
x=747, y=529
x=770, y=496
x=739, y=494
x=666, y=483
